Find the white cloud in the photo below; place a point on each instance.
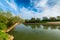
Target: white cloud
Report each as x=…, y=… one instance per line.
x=41, y=3
x=54, y=11
x=27, y=14
x=12, y=4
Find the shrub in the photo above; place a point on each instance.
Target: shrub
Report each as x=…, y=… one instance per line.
x=2, y=26
x=3, y=36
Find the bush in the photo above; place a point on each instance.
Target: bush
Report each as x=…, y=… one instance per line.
x=3, y=19
x=3, y=36
x=2, y=26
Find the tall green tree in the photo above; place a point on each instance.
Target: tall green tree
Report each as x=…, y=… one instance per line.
x=32, y=20
x=52, y=19
x=58, y=17
x=3, y=19
x=3, y=26
x=38, y=20
x=45, y=18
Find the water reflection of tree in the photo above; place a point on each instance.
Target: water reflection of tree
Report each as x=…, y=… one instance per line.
x=33, y=25
x=44, y=26
x=52, y=27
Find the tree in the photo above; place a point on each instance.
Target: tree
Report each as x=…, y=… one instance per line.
x=58, y=17
x=45, y=18
x=3, y=19
x=6, y=14
x=32, y=20
x=14, y=20
x=38, y=20
x=52, y=19
x=4, y=36
x=8, y=19
x=2, y=26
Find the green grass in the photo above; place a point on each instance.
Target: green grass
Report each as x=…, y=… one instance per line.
x=3, y=36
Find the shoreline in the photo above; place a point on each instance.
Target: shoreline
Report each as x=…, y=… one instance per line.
x=10, y=28
x=11, y=37
x=46, y=23
x=53, y=23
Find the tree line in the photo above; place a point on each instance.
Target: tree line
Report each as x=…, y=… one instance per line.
x=44, y=19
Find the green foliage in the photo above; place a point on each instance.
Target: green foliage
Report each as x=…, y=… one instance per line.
x=3, y=19
x=6, y=14
x=33, y=20
x=2, y=26
x=52, y=18
x=13, y=20
x=44, y=19
x=58, y=17
x=16, y=19
x=38, y=20
x=3, y=36
x=8, y=19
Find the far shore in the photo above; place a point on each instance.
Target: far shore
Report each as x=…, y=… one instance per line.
x=53, y=23
x=46, y=23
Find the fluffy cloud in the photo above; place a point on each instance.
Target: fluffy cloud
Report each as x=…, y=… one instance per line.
x=9, y=6
x=54, y=11
x=41, y=3
x=25, y=13
x=12, y=4
x=49, y=7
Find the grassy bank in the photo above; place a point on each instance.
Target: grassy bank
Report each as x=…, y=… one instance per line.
x=7, y=23
x=4, y=36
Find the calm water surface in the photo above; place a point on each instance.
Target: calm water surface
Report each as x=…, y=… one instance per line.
x=36, y=32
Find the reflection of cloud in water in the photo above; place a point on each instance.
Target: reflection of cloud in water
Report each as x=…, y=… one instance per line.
x=22, y=27
x=41, y=26
x=40, y=33
x=49, y=28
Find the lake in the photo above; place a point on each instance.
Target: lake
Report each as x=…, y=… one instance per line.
x=35, y=32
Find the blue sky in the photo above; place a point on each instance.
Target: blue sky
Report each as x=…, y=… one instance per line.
x=27, y=9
